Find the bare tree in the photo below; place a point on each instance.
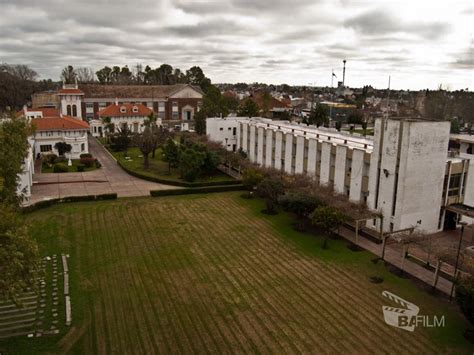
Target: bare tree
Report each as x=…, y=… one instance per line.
x=84, y=75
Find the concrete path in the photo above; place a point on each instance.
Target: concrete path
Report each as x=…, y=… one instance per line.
x=394, y=256
x=109, y=178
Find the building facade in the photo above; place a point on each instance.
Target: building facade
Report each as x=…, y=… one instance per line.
x=404, y=171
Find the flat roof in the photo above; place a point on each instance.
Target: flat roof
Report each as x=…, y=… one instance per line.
x=321, y=133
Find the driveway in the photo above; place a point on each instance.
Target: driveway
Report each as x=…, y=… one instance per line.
x=109, y=178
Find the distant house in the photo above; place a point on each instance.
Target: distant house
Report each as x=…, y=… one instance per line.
x=31, y=113
x=269, y=105
x=132, y=116
x=52, y=130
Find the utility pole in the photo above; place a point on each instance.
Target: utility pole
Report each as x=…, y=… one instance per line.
x=388, y=97
x=344, y=73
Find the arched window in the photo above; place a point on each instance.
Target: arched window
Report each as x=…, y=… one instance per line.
x=74, y=110
x=69, y=110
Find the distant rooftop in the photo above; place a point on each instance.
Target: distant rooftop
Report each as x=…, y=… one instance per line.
x=462, y=138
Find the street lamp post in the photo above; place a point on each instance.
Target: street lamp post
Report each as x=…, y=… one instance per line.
x=457, y=260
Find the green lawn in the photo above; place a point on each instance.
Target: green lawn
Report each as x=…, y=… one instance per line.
x=158, y=168
x=211, y=274
x=71, y=169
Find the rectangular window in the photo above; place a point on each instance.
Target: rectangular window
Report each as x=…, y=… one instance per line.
x=46, y=148
x=175, y=110
x=102, y=105
x=149, y=105
x=83, y=147
x=161, y=107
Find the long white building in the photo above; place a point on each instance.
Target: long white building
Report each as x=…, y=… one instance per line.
x=404, y=171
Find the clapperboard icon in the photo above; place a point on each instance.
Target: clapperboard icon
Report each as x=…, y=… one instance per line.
x=393, y=315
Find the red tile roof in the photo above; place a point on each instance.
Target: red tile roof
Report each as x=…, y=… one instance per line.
x=257, y=97
x=115, y=110
x=65, y=123
x=46, y=111
x=70, y=91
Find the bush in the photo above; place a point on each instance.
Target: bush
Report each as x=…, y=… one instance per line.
x=97, y=164
x=465, y=297
x=88, y=162
x=50, y=159
x=60, y=168
x=85, y=155
x=80, y=167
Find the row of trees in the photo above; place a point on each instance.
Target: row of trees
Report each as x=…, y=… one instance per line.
x=165, y=74
x=19, y=256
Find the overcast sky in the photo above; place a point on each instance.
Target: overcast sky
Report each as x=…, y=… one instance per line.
x=421, y=44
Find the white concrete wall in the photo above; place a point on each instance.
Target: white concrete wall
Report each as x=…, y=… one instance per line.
x=357, y=172
x=245, y=137
x=469, y=192
x=340, y=169
x=269, y=148
x=218, y=129
x=312, y=153
x=299, y=159
x=288, y=152
x=325, y=163
x=75, y=141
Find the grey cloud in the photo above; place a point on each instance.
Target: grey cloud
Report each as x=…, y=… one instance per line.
x=378, y=22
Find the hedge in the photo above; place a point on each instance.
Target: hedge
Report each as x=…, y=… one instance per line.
x=196, y=190
x=46, y=203
x=177, y=182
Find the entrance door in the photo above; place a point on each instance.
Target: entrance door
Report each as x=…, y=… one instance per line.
x=188, y=115
x=450, y=219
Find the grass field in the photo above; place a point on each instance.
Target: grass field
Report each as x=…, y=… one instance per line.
x=211, y=274
x=158, y=168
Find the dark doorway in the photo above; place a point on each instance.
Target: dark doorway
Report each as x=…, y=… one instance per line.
x=450, y=219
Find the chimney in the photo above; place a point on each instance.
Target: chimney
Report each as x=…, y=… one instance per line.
x=116, y=101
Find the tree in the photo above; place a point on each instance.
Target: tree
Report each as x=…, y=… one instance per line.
x=68, y=75
x=195, y=76
x=62, y=148
x=85, y=75
x=338, y=125
x=200, y=122
x=213, y=104
x=301, y=204
x=465, y=296
x=171, y=154
x=251, y=178
x=190, y=163
x=146, y=141
x=329, y=219
x=104, y=75
x=318, y=116
x=455, y=126
x=355, y=117
x=248, y=109
x=270, y=189
x=17, y=85
x=121, y=141
x=109, y=127
x=14, y=144
x=19, y=256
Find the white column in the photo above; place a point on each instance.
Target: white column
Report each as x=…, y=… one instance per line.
x=340, y=168
x=288, y=152
x=312, y=152
x=260, y=138
x=239, y=127
x=299, y=155
x=252, y=144
x=325, y=163
x=245, y=127
x=269, y=148
x=357, y=172
x=278, y=149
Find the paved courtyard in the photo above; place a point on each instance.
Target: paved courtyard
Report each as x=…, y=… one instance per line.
x=109, y=178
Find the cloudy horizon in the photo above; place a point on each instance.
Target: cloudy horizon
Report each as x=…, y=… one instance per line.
x=420, y=44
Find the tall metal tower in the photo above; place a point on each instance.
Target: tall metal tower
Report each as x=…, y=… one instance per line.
x=344, y=72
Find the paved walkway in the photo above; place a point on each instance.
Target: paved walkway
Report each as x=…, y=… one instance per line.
x=393, y=255
x=109, y=178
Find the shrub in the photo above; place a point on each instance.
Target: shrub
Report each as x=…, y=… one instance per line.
x=88, y=162
x=85, y=155
x=80, y=167
x=60, y=168
x=465, y=296
x=97, y=164
x=50, y=159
